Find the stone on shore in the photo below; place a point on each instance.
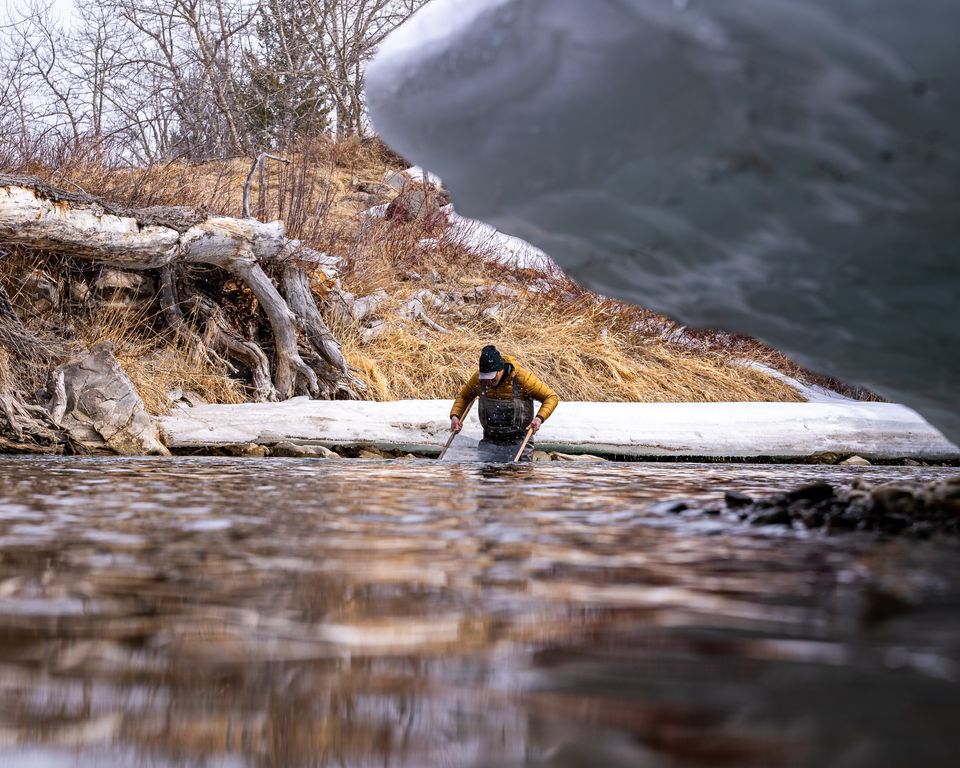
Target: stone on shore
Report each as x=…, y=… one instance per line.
x=289, y=450
x=96, y=403
x=856, y=461
x=892, y=508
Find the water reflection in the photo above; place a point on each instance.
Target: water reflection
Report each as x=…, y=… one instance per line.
x=285, y=612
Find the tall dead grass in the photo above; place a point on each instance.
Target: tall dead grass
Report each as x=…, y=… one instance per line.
x=156, y=362
x=571, y=349
x=584, y=346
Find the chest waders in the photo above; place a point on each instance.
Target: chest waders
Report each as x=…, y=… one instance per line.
x=504, y=419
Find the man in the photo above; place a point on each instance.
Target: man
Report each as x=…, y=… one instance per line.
x=506, y=393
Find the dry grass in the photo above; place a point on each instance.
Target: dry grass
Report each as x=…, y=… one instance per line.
x=310, y=194
x=570, y=347
x=152, y=357
x=155, y=363
x=584, y=346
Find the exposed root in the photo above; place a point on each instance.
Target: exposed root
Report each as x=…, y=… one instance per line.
x=37, y=215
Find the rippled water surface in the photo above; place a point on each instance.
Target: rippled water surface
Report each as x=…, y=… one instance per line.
x=224, y=612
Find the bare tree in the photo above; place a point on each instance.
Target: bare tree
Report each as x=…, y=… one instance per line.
x=347, y=35
x=141, y=80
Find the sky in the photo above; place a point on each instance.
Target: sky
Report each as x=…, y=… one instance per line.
x=64, y=8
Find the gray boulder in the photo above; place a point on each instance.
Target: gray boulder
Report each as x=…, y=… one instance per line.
x=96, y=403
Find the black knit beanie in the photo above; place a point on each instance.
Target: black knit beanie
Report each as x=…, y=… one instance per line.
x=491, y=360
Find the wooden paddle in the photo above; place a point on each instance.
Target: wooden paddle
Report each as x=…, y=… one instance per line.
x=454, y=434
x=523, y=445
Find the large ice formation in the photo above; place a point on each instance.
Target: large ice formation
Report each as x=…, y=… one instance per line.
x=785, y=169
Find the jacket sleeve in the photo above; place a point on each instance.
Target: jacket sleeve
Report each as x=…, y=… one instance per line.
x=536, y=389
x=469, y=391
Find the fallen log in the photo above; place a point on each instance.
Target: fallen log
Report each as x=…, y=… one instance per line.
x=173, y=239
x=880, y=431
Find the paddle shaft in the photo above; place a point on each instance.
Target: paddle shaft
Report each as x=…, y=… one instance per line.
x=454, y=433
x=524, y=443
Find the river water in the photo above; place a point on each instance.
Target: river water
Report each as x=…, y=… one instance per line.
x=241, y=612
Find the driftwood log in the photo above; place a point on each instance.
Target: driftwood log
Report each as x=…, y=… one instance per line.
x=293, y=353
x=24, y=427
x=306, y=358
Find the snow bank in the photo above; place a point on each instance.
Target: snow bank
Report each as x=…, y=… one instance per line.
x=872, y=430
x=781, y=169
x=495, y=245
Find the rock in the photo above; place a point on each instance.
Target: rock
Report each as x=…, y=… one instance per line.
x=95, y=402
x=118, y=289
x=812, y=492
x=674, y=507
x=367, y=198
x=365, y=306
x=410, y=205
x=910, y=463
x=118, y=280
x=541, y=456
x=856, y=461
x=371, y=453
x=812, y=518
x=776, y=517
x=557, y=456
x=373, y=332
x=290, y=450
x=414, y=203
x=944, y=496
x=824, y=457
x=79, y=291
x=321, y=451
x=247, y=449
x=42, y=291
x=734, y=499
x=396, y=179
x=192, y=399
x=894, y=498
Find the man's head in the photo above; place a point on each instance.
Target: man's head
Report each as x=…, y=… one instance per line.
x=491, y=364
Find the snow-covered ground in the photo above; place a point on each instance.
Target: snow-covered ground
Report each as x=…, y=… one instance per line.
x=489, y=242
x=780, y=169
x=871, y=430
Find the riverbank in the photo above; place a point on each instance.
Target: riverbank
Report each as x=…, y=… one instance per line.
x=825, y=432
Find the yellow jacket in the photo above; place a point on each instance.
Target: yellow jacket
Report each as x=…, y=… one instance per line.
x=529, y=387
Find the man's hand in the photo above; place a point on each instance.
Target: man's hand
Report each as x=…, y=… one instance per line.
x=536, y=424
x=455, y=424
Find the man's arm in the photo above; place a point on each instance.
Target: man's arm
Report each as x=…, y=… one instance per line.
x=536, y=389
x=469, y=391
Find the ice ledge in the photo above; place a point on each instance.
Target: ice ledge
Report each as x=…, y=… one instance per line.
x=735, y=430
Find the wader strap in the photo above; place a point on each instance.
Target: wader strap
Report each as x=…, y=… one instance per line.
x=516, y=389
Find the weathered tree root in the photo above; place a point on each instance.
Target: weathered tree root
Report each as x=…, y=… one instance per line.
x=24, y=428
x=38, y=215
